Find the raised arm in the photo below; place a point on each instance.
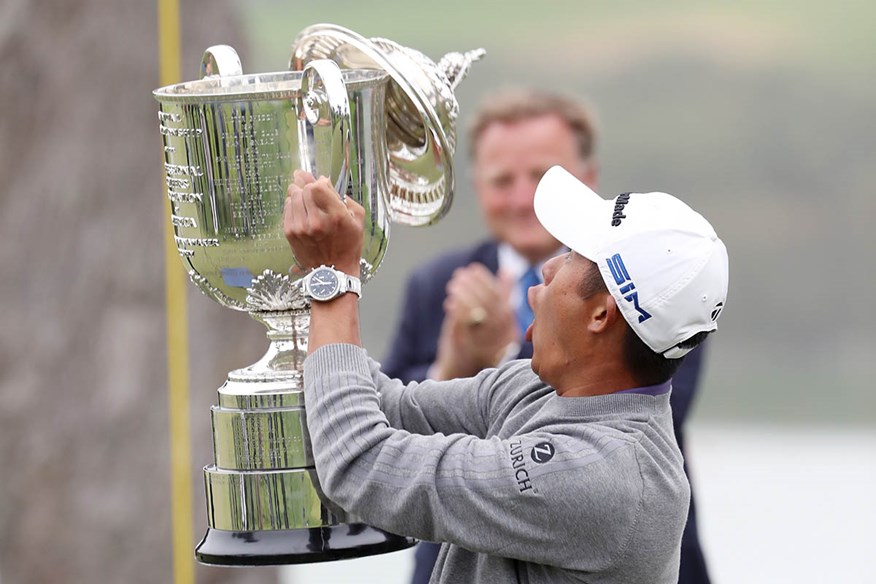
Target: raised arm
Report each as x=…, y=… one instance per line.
x=323, y=230
x=484, y=494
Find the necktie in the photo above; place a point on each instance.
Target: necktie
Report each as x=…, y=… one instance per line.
x=524, y=311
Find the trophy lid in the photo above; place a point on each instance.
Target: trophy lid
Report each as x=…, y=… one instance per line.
x=421, y=113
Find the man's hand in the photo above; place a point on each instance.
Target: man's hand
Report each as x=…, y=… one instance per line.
x=322, y=229
x=479, y=323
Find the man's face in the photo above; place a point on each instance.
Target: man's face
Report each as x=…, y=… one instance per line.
x=557, y=331
x=509, y=161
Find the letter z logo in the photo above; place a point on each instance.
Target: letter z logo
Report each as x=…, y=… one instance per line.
x=627, y=288
x=542, y=452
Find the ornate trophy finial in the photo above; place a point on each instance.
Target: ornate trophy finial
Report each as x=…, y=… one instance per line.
x=456, y=65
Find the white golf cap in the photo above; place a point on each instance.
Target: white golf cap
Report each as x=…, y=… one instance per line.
x=662, y=261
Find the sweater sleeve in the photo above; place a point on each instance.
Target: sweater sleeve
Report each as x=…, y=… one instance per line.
x=487, y=495
x=430, y=407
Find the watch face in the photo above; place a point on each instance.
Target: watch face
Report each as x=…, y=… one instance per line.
x=323, y=284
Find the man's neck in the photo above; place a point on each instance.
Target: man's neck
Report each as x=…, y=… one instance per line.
x=596, y=378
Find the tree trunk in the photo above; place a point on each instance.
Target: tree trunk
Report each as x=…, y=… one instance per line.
x=84, y=453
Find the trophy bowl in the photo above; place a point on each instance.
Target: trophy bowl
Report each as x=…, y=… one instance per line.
x=231, y=146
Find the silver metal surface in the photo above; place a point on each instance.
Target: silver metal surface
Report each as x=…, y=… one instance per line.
x=231, y=146
x=220, y=60
x=265, y=439
x=266, y=500
x=421, y=112
x=232, y=143
x=324, y=102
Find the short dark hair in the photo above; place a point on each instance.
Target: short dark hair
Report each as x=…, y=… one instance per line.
x=650, y=367
x=514, y=105
x=646, y=365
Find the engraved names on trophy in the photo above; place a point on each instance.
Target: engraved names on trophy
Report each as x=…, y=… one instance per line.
x=197, y=241
x=181, y=132
x=245, y=175
x=180, y=197
x=182, y=169
x=183, y=244
x=180, y=178
x=178, y=221
x=250, y=167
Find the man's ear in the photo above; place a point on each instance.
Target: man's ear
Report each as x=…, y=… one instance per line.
x=590, y=174
x=603, y=314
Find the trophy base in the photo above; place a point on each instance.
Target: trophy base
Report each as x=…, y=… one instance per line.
x=296, y=546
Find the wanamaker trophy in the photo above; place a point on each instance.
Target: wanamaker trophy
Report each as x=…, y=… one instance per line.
x=378, y=119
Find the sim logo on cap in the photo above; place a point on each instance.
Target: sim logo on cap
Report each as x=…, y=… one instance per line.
x=625, y=283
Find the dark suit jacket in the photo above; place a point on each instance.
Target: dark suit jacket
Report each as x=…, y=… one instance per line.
x=415, y=345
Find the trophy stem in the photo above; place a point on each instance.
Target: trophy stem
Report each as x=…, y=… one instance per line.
x=284, y=360
x=264, y=502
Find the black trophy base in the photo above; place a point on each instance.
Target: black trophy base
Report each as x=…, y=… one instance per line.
x=296, y=546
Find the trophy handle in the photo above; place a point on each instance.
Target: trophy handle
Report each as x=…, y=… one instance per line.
x=322, y=88
x=222, y=61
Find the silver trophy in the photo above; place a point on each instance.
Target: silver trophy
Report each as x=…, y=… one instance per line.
x=378, y=120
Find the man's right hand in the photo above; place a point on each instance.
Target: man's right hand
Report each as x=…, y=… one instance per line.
x=321, y=228
x=479, y=323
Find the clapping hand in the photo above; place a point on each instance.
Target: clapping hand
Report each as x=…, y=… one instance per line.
x=479, y=322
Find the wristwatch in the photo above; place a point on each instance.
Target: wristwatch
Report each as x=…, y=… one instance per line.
x=326, y=283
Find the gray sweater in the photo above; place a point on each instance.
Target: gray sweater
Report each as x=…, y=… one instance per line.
x=523, y=485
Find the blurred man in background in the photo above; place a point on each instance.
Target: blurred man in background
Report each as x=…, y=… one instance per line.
x=467, y=310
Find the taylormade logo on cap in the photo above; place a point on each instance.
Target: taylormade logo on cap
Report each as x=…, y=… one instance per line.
x=619, y=205
x=662, y=261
